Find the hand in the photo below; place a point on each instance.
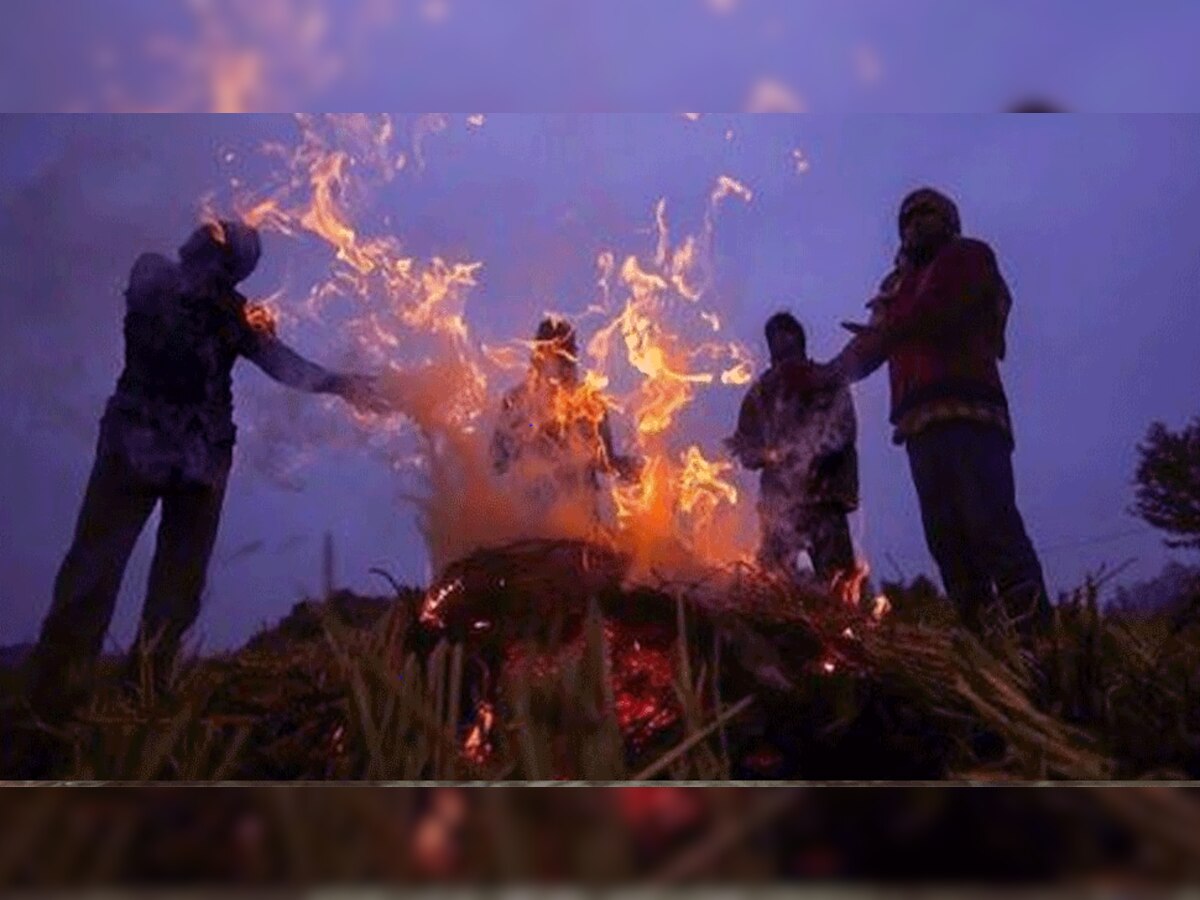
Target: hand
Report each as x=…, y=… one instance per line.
x=364, y=393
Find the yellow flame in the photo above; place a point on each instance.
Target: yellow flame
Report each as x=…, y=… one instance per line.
x=407, y=316
x=701, y=487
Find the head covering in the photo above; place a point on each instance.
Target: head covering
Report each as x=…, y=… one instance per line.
x=934, y=198
x=233, y=248
x=784, y=323
x=557, y=333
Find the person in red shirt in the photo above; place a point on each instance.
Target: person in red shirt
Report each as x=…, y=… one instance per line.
x=939, y=323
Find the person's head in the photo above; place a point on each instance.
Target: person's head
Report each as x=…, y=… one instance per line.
x=223, y=250
x=928, y=219
x=555, y=348
x=785, y=337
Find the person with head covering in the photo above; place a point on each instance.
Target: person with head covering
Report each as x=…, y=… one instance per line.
x=166, y=438
x=939, y=323
x=804, y=445
x=553, y=432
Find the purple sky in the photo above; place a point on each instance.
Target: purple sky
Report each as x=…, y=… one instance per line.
x=1096, y=220
x=612, y=55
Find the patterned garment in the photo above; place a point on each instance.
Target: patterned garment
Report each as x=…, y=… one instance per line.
x=917, y=420
x=171, y=416
x=822, y=532
x=555, y=454
x=940, y=328
x=804, y=443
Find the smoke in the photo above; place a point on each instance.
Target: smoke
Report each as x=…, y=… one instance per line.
x=380, y=307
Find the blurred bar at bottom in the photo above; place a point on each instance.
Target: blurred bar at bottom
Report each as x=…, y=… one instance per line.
x=56, y=837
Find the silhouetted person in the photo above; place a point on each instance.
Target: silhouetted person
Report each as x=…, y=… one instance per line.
x=804, y=443
x=552, y=433
x=939, y=323
x=166, y=436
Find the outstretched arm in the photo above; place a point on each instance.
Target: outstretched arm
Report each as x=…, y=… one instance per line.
x=288, y=367
x=285, y=365
x=963, y=284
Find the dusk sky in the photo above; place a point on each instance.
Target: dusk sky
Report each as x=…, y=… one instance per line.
x=592, y=56
x=1096, y=221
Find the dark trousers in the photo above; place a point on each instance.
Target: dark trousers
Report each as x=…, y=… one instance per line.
x=823, y=531
x=115, y=508
x=964, y=479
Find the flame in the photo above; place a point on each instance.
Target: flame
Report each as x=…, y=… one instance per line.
x=435, y=601
x=643, y=367
x=701, y=487
x=476, y=748
x=742, y=370
x=231, y=56
x=261, y=317
x=847, y=586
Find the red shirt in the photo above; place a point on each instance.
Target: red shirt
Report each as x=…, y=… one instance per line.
x=941, y=331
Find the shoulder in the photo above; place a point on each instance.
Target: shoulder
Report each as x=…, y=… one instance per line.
x=153, y=271
x=152, y=276
x=966, y=250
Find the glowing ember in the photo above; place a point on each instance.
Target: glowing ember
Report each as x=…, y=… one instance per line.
x=477, y=748
x=260, y=317
x=435, y=601
x=881, y=607
x=847, y=586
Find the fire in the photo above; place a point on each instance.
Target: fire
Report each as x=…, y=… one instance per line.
x=261, y=317
x=646, y=363
x=701, y=487
x=476, y=748
x=431, y=609
x=848, y=585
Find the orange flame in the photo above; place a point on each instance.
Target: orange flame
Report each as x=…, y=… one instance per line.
x=407, y=316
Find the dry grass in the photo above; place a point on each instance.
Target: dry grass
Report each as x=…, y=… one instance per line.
x=345, y=697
